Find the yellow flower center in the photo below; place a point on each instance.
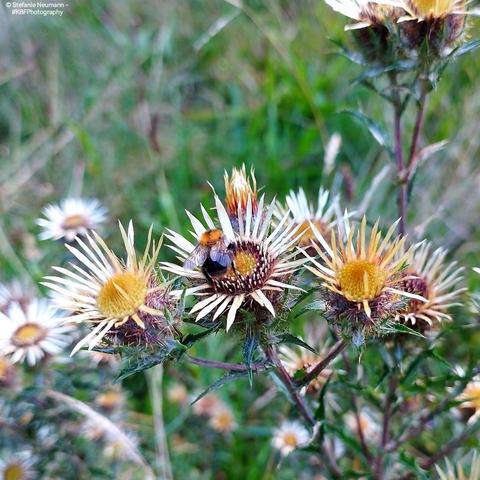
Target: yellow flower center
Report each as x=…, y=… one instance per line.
x=435, y=8
x=361, y=280
x=14, y=472
x=74, y=221
x=28, y=334
x=290, y=439
x=122, y=295
x=245, y=263
x=472, y=394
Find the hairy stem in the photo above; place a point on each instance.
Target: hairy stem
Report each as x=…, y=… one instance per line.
x=417, y=129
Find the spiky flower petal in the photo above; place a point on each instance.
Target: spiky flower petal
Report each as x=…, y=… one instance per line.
x=106, y=291
x=435, y=281
x=258, y=260
x=459, y=472
x=470, y=398
x=238, y=189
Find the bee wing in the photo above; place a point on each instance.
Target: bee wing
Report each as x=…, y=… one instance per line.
x=196, y=258
x=220, y=254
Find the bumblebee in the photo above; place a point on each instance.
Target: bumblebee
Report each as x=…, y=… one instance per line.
x=212, y=254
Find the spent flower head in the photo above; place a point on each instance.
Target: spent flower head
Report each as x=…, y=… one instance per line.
x=239, y=188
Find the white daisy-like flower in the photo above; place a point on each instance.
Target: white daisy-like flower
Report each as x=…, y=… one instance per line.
x=424, y=10
x=17, y=465
x=242, y=261
x=73, y=217
x=32, y=333
x=17, y=291
x=324, y=215
x=106, y=291
x=435, y=281
x=290, y=436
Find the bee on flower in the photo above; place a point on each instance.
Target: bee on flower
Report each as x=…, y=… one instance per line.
x=122, y=299
x=249, y=269
x=71, y=218
x=362, y=279
x=433, y=280
x=31, y=334
x=289, y=436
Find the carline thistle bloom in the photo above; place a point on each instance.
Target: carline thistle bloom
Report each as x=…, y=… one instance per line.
x=32, y=333
x=361, y=277
x=243, y=263
x=434, y=281
x=121, y=299
x=324, y=216
x=459, y=472
x=72, y=217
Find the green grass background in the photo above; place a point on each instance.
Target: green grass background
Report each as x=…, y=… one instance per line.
x=139, y=104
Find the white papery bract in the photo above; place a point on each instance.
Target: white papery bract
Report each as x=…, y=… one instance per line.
x=262, y=260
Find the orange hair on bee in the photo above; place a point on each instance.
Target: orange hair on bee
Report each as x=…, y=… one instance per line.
x=210, y=238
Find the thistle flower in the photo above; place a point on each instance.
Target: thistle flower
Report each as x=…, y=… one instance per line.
x=360, y=278
x=458, y=473
x=470, y=398
x=31, y=334
x=434, y=281
x=222, y=420
x=17, y=466
x=304, y=213
x=439, y=22
x=122, y=299
x=366, y=13
x=73, y=217
x=238, y=189
x=290, y=436
x=244, y=268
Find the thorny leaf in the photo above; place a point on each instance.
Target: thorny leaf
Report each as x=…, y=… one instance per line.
x=138, y=361
x=289, y=338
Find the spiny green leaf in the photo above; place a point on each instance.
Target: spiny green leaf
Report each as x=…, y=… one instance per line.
x=289, y=338
x=377, y=132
